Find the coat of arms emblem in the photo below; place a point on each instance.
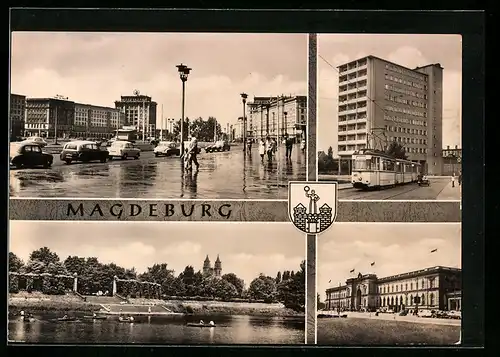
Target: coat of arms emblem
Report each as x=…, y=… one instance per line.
x=312, y=206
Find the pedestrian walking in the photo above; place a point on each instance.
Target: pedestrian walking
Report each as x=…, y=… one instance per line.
x=453, y=180
x=275, y=146
x=249, y=146
x=303, y=145
x=289, y=146
x=269, y=148
x=191, y=154
x=460, y=179
x=262, y=149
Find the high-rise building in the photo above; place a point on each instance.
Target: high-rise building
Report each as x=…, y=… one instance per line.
x=380, y=102
x=435, y=288
x=277, y=116
x=140, y=112
x=17, y=113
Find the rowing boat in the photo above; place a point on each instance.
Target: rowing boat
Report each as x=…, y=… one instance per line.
x=65, y=319
x=199, y=325
x=123, y=319
x=95, y=317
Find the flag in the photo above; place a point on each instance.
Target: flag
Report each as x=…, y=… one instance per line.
x=372, y=264
x=434, y=250
x=352, y=271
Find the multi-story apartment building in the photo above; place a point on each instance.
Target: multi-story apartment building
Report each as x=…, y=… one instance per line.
x=48, y=117
x=17, y=113
x=96, y=121
x=380, y=102
x=140, y=112
x=435, y=288
x=277, y=116
x=238, y=129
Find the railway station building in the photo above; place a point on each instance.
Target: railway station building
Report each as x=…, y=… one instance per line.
x=434, y=288
x=380, y=102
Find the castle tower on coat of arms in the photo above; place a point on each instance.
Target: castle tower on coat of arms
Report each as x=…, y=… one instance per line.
x=312, y=219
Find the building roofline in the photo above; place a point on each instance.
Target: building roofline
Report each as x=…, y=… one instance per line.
x=56, y=99
x=96, y=106
x=434, y=269
x=387, y=61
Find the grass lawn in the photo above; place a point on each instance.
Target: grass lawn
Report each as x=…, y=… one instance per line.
x=352, y=331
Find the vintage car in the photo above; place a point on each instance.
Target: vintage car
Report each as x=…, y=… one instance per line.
x=83, y=151
x=423, y=181
x=29, y=154
x=37, y=140
x=167, y=148
x=220, y=145
x=124, y=150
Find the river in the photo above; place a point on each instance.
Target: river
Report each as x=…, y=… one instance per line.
x=160, y=330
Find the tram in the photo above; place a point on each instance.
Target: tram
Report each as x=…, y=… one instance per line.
x=372, y=169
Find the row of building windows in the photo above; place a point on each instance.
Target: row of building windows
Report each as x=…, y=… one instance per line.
x=406, y=140
x=406, y=111
x=408, y=149
x=407, y=300
x=403, y=120
x=393, y=88
x=405, y=71
x=398, y=129
x=399, y=287
x=398, y=99
x=390, y=77
x=360, y=116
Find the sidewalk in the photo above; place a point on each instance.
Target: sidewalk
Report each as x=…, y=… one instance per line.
x=451, y=193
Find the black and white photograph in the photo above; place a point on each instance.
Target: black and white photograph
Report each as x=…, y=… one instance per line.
x=153, y=283
x=389, y=284
x=389, y=115
x=157, y=115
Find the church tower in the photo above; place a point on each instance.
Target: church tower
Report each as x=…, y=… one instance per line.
x=218, y=267
x=207, y=269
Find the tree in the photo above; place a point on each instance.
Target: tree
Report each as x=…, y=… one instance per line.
x=291, y=292
x=319, y=305
x=15, y=263
x=203, y=130
x=238, y=283
x=75, y=264
x=326, y=163
x=44, y=255
x=225, y=290
x=278, y=278
x=263, y=288
x=158, y=273
x=396, y=150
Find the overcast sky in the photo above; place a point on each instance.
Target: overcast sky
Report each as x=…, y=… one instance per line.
x=394, y=247
x=407, y=50
x=245, y=249
x=97, y=68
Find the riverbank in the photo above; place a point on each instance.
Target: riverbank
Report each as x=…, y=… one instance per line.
x=68, y=303
x=230, y=308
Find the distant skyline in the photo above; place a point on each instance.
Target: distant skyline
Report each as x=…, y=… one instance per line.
x=97, y=68
x=246, y=249
x=395, y=248
x=406, y=50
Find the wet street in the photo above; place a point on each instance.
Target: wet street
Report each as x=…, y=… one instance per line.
x=222, y=175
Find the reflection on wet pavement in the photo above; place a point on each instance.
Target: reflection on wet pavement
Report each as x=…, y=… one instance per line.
x=225, y=175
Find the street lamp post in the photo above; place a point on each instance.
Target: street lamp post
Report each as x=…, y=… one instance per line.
x=183, y=74
x=286, y=127
x=244, y=97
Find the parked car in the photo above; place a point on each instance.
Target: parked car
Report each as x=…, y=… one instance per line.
x=455, y=314
x=167, y=148
x=425, y=313
x=83, y=151
x=124, y=150
x=29, y=154
x=39, y=141
x=220, y=145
